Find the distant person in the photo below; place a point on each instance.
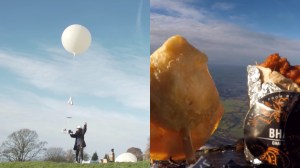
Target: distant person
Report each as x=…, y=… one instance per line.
x=112, y=155
x=79, y=141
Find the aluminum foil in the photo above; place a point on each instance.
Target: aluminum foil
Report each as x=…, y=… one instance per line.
x=256, y=88
x=258, y=92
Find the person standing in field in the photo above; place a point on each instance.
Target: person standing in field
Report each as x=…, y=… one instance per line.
x=112, y=155
x=79, y=140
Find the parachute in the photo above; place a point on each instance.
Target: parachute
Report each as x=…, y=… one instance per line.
x=70, y=101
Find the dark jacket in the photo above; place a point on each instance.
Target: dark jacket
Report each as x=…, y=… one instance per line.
x=79, y=134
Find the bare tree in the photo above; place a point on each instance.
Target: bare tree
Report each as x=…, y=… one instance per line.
x=137, y=152
x=70, y=156
x=147, y=151
x=22, y=145
x=86, y=156
x=56, y=155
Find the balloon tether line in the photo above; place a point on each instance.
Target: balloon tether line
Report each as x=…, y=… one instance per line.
x=70, y=102
x=73, y=67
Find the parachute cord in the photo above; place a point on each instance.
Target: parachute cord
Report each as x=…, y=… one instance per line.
x=73, y=72
x=70, y=101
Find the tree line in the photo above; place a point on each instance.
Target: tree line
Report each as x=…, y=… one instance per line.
x=24, y=145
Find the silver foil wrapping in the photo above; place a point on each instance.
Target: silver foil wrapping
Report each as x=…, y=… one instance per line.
x=271, y=125
x=256, y=88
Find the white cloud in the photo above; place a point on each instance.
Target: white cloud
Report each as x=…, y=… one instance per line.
x=223, y=6
x=177, y=8
x=98, y=72
x=223, y=42
x=47, y=116
x=38, y=99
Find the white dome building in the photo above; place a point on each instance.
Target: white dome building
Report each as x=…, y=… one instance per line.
x=126, y=157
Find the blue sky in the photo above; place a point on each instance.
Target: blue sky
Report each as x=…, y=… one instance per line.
x=230, y=31
x=109, y=83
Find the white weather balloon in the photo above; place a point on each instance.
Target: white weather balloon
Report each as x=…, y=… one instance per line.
x=76, y=39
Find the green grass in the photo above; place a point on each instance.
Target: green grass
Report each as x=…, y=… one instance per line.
x=144, y=164
x=235, y=105
x=232, y=121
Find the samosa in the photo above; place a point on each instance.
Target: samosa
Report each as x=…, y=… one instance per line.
x=185, y=107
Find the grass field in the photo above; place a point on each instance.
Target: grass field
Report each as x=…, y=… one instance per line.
x=143, y=164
